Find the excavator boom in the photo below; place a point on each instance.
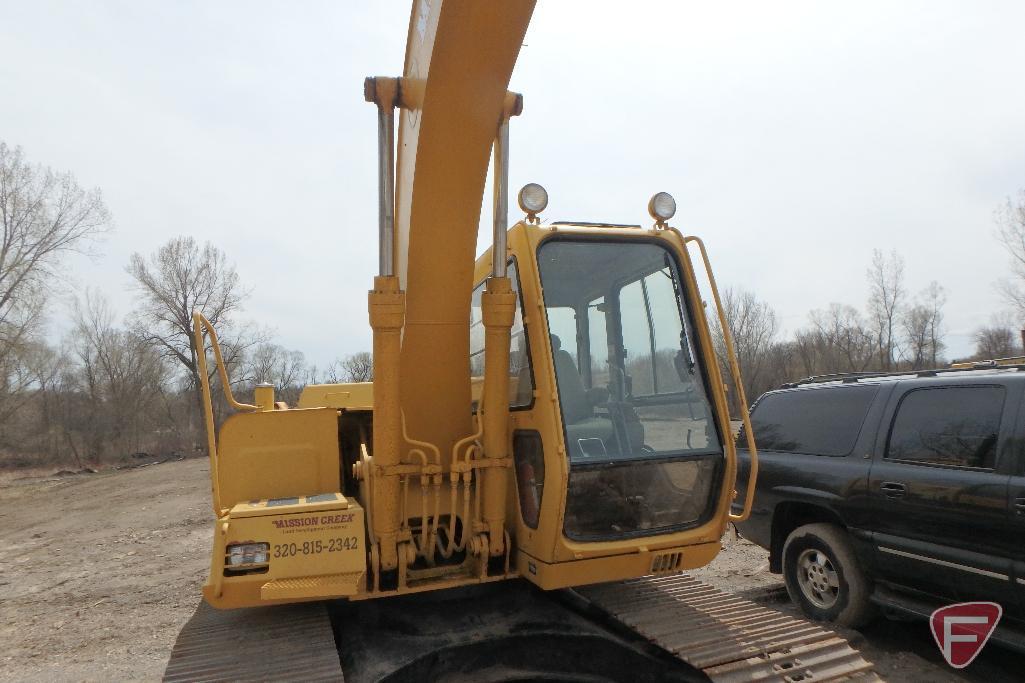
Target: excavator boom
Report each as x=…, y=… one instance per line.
x=459, y=58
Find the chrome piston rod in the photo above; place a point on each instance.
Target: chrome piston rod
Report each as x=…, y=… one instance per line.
x=386, y=190
x=499, y=257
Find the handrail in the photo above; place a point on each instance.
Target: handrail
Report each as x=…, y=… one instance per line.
x=197, y=320
x=735, y=372
x=199, y=324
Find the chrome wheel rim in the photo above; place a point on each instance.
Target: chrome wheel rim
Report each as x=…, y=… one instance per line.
x=817, y=578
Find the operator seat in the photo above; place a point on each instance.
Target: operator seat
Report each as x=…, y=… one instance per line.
x=583, y=428
x=572, y=394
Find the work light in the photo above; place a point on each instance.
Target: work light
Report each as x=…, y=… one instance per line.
x=532, y=198
x=662, y=206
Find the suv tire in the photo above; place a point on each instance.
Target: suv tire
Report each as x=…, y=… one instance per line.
x=823, y=576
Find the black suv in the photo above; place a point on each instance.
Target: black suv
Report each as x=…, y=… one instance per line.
x=905, y=491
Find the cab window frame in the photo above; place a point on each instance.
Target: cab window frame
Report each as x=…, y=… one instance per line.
x=687, y=316
x=717, y=455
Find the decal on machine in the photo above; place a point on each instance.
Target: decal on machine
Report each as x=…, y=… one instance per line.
x=313, y=522
x=315, y=547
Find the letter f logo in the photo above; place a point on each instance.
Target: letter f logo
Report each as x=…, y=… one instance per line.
x=963, y=629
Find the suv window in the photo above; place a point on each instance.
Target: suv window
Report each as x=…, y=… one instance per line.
x=816, y=421
x=948, y=426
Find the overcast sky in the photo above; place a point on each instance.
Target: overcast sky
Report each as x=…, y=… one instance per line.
x=795, y=136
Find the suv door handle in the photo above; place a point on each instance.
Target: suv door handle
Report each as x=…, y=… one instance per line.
x=893, y=489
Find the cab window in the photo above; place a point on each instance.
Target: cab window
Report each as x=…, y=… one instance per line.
x=643, y=446
x=521, y=379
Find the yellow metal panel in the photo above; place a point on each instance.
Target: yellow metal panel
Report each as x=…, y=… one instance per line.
x=610, y=568
x=316, y=587
x=278, y=454
x=314, y=552
x=262, y=508
x=352, y=396
x=460, y=55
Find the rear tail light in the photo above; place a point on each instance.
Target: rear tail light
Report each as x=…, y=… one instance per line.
x=529, y=456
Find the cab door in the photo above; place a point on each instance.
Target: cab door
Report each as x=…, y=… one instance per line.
x=939, y=491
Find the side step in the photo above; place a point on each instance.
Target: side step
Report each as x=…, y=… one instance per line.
x=727, y=637
x=278, y=643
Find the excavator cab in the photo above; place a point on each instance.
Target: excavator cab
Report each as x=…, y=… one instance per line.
x=643, y=449
x=622, y=456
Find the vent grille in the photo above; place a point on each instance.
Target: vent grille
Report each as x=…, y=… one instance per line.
x=667, y=562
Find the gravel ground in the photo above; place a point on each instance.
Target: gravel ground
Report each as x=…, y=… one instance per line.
x=101, y=571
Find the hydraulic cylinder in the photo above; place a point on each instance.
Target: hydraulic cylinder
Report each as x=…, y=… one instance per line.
x=387, y=304
x=498, y=308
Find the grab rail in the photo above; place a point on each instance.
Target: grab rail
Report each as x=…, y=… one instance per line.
x=199, y=325
x=731, y=356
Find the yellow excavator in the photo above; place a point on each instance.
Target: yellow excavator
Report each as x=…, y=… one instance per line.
x=552, y=413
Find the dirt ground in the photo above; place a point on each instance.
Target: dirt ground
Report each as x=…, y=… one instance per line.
x=101, y=571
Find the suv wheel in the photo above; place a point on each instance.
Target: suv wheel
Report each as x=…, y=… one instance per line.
x=823, y=576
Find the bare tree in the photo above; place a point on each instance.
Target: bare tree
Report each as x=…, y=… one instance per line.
x=995, y=341
x=44, y=214
x=915, y=323
x=359, y=367
x=56, y=390
x=753, y=326
x=886, y=296
x=276, y=365
x=840, y=340
x=1010, y=220
x=120, y=374
x=935, y=297
x=179, y=278
x=921, y=324
x=24, y=373
x=806, y=351
x=783, y=365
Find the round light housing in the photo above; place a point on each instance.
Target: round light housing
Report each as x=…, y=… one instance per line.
x=532, y=198
x=662, y=206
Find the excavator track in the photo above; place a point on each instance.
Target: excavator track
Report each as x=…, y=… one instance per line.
x=728, y=637
x=673, y=628
x=282, y=643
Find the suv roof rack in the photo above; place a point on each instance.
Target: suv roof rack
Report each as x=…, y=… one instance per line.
x=1016, y=363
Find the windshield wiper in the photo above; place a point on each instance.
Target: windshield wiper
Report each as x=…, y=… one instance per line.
x=684, y=357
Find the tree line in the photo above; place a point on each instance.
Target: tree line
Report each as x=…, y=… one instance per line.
x=111, y=388
x=899, y=328
x=116, y=387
